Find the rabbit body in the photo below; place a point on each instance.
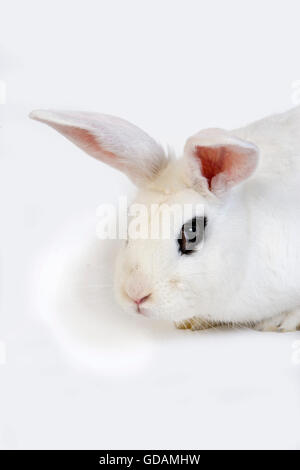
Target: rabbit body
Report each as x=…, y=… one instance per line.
x=268, y=297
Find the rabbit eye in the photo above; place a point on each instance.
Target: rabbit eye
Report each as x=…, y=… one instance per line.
x=191, y=234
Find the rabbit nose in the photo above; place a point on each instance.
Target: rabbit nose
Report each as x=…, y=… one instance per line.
x=138, y=288
x=140, y=301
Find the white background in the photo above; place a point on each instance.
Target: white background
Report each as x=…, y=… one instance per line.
x=88, y=376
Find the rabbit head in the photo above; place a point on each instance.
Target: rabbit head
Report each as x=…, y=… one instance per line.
x=195, y=269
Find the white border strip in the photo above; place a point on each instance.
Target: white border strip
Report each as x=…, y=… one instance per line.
x=2, y=92
x=2, y=353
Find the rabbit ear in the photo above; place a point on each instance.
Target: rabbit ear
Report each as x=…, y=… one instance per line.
x=109, y=139
x=219, y=159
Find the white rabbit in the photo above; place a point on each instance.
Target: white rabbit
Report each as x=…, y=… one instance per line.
x=248, y=269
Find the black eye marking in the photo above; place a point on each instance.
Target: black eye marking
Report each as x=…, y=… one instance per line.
x=191, y=234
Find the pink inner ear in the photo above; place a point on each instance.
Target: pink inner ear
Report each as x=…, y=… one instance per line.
x=87, y=139
x=83, y=138
x=233, y=162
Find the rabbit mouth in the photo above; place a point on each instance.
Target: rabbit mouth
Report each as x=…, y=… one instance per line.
x=143, y=311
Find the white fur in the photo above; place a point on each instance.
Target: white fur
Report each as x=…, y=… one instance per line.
x=249, y=267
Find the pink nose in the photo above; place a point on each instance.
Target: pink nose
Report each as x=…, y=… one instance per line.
x=142, y=299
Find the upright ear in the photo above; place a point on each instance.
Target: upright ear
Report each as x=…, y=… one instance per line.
x=219, y=160
x=111, y=140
